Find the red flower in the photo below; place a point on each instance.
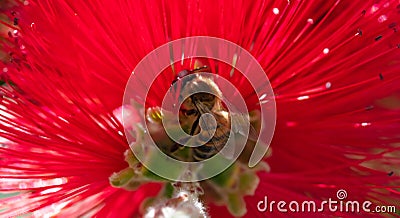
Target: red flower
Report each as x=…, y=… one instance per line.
x=333, y=66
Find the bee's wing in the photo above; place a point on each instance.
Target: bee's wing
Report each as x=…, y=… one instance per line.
x=227, y=152
x=239, y=122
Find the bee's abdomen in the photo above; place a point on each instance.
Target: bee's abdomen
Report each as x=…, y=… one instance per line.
x=204, y=152
x=210, y=148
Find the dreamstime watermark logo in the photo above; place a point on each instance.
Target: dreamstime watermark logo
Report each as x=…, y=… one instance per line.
x=341, y=194
x=340, y=204
x=150, y=67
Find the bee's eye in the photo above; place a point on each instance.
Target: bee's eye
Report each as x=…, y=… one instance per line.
x=207, y=97
x=190, y=112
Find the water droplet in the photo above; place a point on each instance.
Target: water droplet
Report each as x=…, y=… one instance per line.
x=326, y=50
x=382, y=18
x=26, y=3
x=390, y=173
x=328, y=85
x=275, y=11
x=5, y=69
x=310, y=21
x=303, y=97
x=33, y=26
x=365, y=124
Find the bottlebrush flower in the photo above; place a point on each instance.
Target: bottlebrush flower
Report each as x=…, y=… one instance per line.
x=333, y=66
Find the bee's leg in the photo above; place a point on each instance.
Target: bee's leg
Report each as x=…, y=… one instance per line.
x=195, y=127
x=174, y=147
x=204, y=152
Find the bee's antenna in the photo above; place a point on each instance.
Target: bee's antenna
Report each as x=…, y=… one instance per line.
x=199, y=68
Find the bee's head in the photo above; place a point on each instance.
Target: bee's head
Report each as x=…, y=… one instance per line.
x=204, y=88
x=184, y=73
x=206, y=93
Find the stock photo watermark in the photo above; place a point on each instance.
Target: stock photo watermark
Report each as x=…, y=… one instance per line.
x=339, y=204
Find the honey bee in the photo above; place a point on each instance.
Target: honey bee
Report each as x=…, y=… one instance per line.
x=207, y=102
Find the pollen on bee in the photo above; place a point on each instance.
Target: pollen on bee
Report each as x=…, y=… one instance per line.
x=154, y=114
